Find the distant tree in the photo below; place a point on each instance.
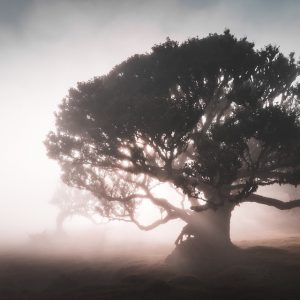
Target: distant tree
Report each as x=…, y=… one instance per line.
x=214, y=117
x=73, y=202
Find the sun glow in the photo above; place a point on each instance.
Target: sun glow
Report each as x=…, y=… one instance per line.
x=148, y=212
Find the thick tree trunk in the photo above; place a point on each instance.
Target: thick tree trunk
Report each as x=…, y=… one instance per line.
x=212, y=227
x=205, y=241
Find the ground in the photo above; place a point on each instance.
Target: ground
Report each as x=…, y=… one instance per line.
x=271, y=271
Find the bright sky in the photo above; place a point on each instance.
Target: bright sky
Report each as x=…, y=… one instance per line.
x=48, y=46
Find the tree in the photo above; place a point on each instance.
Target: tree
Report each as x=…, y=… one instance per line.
x=73, y=202
x=214, y=117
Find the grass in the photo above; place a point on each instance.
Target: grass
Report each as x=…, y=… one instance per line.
x=270, y=269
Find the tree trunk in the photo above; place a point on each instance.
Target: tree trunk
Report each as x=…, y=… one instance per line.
x=60, y=219
x=212, y=227
x=205, y=240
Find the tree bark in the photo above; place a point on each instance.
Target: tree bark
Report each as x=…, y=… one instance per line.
x=212, y=227
x=207, y=240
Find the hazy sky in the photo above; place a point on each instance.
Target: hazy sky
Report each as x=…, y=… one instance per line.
x=49, y=45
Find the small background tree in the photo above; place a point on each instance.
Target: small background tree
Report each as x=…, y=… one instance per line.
x=72, y=202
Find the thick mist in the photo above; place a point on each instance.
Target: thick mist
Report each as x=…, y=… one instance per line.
x=48, y=46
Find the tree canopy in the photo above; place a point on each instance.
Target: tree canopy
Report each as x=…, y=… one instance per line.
x=214, y=117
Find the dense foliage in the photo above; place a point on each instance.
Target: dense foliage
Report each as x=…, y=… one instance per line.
x=214, y=117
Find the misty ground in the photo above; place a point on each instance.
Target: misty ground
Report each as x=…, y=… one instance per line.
x=270, y=270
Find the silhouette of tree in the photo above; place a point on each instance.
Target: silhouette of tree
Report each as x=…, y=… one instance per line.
x=73, y=202
x=214, y=117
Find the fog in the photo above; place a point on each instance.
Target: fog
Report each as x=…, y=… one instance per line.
x=48, y=46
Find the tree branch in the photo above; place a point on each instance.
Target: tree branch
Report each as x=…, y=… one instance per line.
x=273, y=202
x=152, y=225
x=208, y=205
x=172, y=210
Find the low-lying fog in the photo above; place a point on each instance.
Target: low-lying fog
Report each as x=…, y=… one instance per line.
x=81, y=238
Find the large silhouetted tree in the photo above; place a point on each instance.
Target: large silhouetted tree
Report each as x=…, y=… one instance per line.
x=214, y=117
